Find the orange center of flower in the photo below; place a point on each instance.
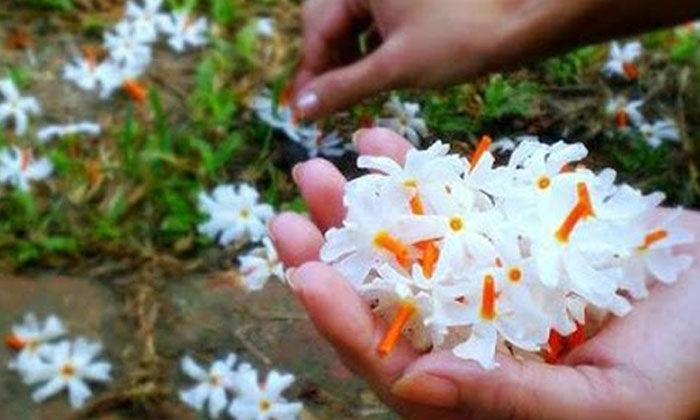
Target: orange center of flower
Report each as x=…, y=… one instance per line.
x=498, y=262
x=488, y=298
x=383, y=240
x=214, y=380
x=135, y=90
x=417, y=205
x=429, y=257
x=265, y=405
x=404, y=313
x=653, y=237
x=543, y=182
x=481, y=148
x=631, y=70
x=515, y=274
x=456, y=223
x=14, y=342
x=68, y=370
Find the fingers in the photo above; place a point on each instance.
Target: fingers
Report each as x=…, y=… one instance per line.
x=381, y=142
x=339, y=88
x=345, y=320
x=515, y=389
x=322, y=186
x=297, y=239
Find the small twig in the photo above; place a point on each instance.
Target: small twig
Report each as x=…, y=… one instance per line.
x=251, y=348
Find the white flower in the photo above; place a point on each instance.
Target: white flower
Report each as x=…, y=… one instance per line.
x=281, y=117
x=621, y=61
x=145, y=19
x=264, y=401
x=625, y=111
x=211, y=385
x=234, y=213
x=128, y=51
x=184, y=31
x=18, y=167
x=653, y=256
x=50, y=132
x=655, y=133
x=259, y=265
x=329, y=145
x=265, y=27
x=30, y=337
x=16, y=107
x=404, y=119
x=68, y=365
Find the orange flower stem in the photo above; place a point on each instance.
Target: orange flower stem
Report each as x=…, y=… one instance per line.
x=405, y=311
x=481, y=148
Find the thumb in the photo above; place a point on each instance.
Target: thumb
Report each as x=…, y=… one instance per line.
x=515, y=389
x=341, y=87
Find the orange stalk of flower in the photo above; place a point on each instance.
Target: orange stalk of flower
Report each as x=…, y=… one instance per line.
x=652, y=238
x=429, y=257
x=556, y=347
x=14, y=342
x=584, y=198
x=385, y=241
x=488, y=298
x=135, y=90
x=481, y=148
x=578, y=213
x=391, y=337
x=631, y=70
x=417, y=205
x=25, y=158
x=621, y=118
x=576, y=338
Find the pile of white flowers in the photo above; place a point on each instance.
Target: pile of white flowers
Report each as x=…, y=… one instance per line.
x=129, y=48
x=252, y=400
x=462, y=254
x=57, y=365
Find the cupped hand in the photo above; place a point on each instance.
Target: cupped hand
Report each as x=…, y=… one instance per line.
x=643, y=366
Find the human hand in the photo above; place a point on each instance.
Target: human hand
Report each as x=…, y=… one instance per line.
x=643, y=366
x=431, y=43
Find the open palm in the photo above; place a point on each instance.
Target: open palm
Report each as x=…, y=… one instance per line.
x=643, y=366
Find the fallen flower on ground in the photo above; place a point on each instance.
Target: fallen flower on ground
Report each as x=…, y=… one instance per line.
x=659, y=131
x=51, y=132
x=625, y=112
x=68, y=365
x=184, y=31
x=16, y=107
x=212, y=384
x=263, y=401
x=403, y=117
x=622, y=60
x=29, y=339
x=257, y=266
x=18, y=167
x=235, y=213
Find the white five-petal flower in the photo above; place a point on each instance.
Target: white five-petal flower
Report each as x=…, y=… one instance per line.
x=211, y=386
x=16, y=107
x=659, y=131
x=403, y=117
x=265, y=401
x=621, y=61
x=259, y=265
x=18, y=167
x=184, y=31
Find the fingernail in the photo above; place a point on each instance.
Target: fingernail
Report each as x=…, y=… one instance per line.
x=358, y=135
x=306, y=103
x=289, y=279
x=296, y=172
x=424, y=388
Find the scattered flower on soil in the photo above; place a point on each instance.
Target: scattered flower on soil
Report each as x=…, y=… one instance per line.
x=235, y=213
x=30, y=338
x=656, y=133
x=625, y=112
x=622, y=60
x=183, y=31
x=18, y=167
x=461, y=254
x=258, y=265
x=249, y=399
x=15, y=107
x=50, y=132
x=403, y=117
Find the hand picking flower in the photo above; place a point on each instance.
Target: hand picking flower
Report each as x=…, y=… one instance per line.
x=18, y=167
x=462, y=254
x=234, y=214
x=621, y=61
x=212, y=385
x=68, y=365
x=259, y=265
x=30, y=338
x=16, y=107
x=403, y=117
